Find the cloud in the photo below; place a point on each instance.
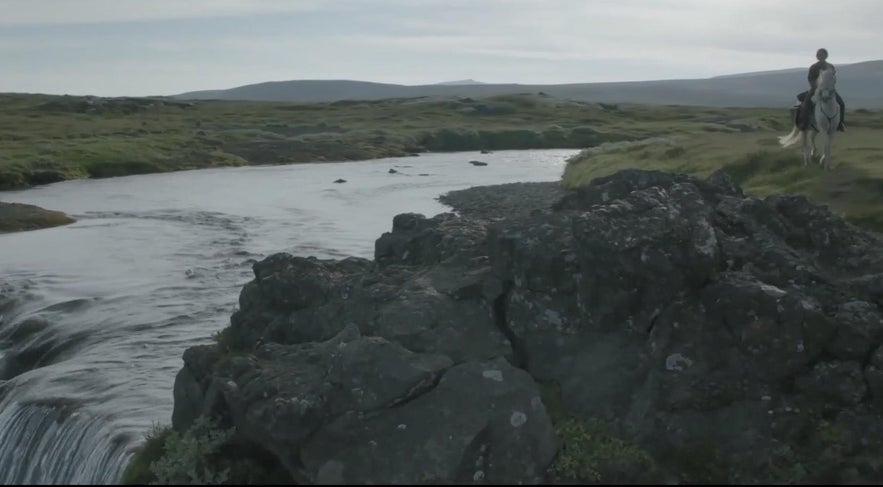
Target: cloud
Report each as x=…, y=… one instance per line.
x=31, y=12
x=196, y=44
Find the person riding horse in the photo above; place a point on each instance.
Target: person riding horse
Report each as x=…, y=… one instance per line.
x=806, y=105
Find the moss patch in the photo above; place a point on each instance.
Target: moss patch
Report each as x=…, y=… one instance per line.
x=591, y=453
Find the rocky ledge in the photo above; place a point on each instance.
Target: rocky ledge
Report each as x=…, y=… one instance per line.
x=648, y=327
x=17, y=217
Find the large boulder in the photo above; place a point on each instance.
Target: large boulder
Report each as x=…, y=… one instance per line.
x=483, y=423
x=692, y=318
x=367, y=410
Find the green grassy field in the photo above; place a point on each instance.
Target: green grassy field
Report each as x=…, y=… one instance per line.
x=751, y=155
x=50, y=138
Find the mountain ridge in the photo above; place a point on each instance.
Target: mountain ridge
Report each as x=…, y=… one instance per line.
x=858, y=83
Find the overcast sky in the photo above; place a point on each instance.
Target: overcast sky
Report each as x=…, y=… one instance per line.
x=163, y=47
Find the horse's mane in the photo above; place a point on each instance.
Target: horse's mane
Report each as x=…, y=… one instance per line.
x=827, y=76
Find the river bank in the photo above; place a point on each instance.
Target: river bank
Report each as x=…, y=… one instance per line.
x=45, y=139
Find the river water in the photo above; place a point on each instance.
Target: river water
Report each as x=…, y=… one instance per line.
x=94, y=316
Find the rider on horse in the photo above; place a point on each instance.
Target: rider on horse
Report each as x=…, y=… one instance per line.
x=805, y=98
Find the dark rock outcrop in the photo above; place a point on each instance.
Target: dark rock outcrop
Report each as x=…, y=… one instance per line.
x=733, y=339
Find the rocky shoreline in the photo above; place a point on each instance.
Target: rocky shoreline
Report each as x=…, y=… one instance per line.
x=648, y=327
x=18, y=217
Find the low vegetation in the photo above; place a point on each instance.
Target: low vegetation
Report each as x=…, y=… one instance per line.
x=188, y=458
x=171, y=458
x=590, y=453
x=138, y=471
x=205, y=454
x=748, y=151
x=45, y=138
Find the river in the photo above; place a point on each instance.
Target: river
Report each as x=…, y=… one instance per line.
x=94, y=316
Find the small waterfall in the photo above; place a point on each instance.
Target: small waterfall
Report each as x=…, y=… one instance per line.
x=47, y=436
x=58, y=444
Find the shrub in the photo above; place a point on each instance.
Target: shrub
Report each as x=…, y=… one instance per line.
x=187, y=458
x=138, y=471
x=168, y=457
x=224, y=339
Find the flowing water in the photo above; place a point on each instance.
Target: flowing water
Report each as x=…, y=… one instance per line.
x=94, y=316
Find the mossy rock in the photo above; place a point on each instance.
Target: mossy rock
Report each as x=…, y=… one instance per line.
x=16, y=217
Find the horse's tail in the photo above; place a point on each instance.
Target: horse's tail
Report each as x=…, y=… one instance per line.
x=794, y=137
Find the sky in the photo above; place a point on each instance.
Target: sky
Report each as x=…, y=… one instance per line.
x=166, y=47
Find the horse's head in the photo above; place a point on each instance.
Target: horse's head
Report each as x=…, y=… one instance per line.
x=825, y=84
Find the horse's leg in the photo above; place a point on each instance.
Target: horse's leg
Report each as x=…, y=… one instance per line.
x=803, y=136
x=808, y=146
x=826, y=155
x=814, y=152
x=805, y=149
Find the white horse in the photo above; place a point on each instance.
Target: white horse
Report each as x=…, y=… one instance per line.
x=824, y=123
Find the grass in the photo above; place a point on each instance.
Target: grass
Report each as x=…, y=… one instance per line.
x=47, y=138
x=852, y=189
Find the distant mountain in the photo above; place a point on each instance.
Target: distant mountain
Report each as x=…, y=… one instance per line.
x=858, y=83
x=756, y=73
x=461, y=82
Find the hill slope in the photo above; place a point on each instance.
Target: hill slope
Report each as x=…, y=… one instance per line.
x=858, y=83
